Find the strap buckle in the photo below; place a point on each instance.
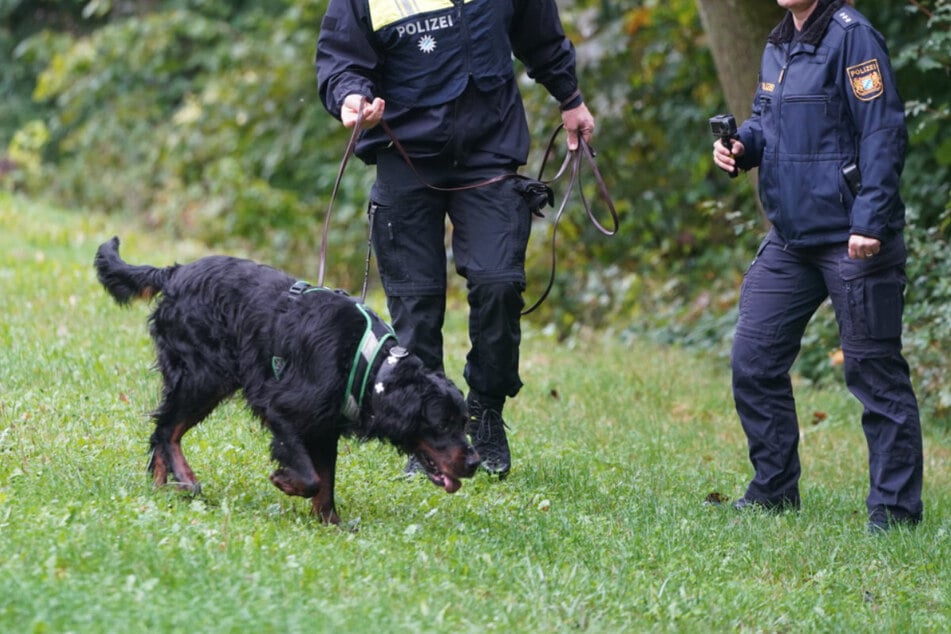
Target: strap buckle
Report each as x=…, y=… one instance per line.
x=297, y=289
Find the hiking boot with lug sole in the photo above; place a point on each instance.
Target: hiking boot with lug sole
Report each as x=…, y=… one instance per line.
x=487, y=431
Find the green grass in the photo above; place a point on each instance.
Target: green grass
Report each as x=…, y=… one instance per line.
x=600, y=527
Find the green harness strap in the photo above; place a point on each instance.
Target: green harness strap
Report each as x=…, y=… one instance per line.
x=371, y=344
x=368, y=350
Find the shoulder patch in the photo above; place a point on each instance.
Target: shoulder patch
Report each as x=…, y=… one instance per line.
x=866, y=80
x=846, y=16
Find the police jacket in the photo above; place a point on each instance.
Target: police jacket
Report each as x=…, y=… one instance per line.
x=445, y=70
x=827, y=98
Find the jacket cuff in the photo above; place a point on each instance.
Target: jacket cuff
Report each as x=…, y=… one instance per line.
x=342, y=91
x=573, y=100
x=747, y=161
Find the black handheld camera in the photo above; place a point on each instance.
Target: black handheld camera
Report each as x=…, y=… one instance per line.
x=723, y=126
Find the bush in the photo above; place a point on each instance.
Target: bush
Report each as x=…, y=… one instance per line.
x=201, y=118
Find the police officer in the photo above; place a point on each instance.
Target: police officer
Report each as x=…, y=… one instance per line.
x=440, y=74
x=828, y=136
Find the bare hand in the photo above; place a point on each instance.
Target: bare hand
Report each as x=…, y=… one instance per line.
x=353, y=105
x=578, y=121
x=724, y=158
x=863, y=246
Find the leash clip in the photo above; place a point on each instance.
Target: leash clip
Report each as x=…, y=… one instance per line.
x=397, y=353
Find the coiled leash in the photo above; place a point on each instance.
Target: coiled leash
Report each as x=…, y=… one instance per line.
x=572, y=164
x=573, y=160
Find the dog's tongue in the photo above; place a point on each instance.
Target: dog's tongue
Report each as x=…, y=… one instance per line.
x=450, y=484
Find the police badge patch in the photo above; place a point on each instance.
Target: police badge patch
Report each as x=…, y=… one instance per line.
x=866, y=80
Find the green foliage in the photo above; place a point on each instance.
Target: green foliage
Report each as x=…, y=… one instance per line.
x=601, y=526
x=650, y=81
x=923, y=62
x=201, y=117
x=928, y=310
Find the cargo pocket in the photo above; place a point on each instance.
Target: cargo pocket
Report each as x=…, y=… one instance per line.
x=875, y=289
x=884, y=303
x=386, y=235
x=750, y=282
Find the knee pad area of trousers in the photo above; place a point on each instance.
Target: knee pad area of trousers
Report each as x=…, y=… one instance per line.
x=505, y=294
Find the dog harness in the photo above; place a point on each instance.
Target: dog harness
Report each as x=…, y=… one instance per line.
x=377, y=332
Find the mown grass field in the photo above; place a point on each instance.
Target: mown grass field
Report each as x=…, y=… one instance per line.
x=601, y=526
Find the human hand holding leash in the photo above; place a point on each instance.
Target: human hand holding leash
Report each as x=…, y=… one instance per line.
x=577, y=121
x=358, y=114
x=357, y=108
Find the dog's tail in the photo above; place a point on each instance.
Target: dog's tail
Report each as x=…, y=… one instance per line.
x=126, y=282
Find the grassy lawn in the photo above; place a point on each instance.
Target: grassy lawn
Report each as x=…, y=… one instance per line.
x=601, y=526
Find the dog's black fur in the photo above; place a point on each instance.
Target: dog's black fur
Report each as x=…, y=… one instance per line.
x=217, y=329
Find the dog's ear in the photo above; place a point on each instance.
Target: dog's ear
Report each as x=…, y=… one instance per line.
x=444, y=408
x=455, y=402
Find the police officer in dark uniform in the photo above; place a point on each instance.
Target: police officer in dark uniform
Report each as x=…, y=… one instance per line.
x=440, y=74
x=828, y=135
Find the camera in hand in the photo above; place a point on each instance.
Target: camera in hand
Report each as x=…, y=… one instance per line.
x=723, y=126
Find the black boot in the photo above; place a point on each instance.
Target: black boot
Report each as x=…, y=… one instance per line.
x=487, y=431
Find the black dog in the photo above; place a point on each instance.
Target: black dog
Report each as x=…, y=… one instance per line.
x=313, y=364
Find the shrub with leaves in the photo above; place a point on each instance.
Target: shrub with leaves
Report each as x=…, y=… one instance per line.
x=202, y=118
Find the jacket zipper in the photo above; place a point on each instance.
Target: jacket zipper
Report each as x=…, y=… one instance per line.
x=464, y=27
x=779, y=117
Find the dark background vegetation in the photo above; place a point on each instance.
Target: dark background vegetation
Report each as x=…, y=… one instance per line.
x=200, y=118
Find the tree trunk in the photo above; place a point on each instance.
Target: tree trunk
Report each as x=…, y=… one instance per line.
x=736, y=31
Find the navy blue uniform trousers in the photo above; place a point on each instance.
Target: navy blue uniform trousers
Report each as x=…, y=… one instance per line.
x=782, y=289
x=490, y=231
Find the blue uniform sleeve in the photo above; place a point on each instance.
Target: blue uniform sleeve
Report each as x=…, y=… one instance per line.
x=538, y=40
x=877, y=111
x=346, y=61
x=751, y=135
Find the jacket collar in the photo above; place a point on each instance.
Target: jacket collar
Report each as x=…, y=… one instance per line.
x=813, y=30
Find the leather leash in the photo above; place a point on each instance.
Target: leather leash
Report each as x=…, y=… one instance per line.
x=351, y=146
x=405, y=156
x=573, y=160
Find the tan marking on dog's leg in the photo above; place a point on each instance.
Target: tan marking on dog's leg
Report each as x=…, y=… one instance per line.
x=324, y=510
x=184, y=476
x=290, y=482
x=159, y=468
